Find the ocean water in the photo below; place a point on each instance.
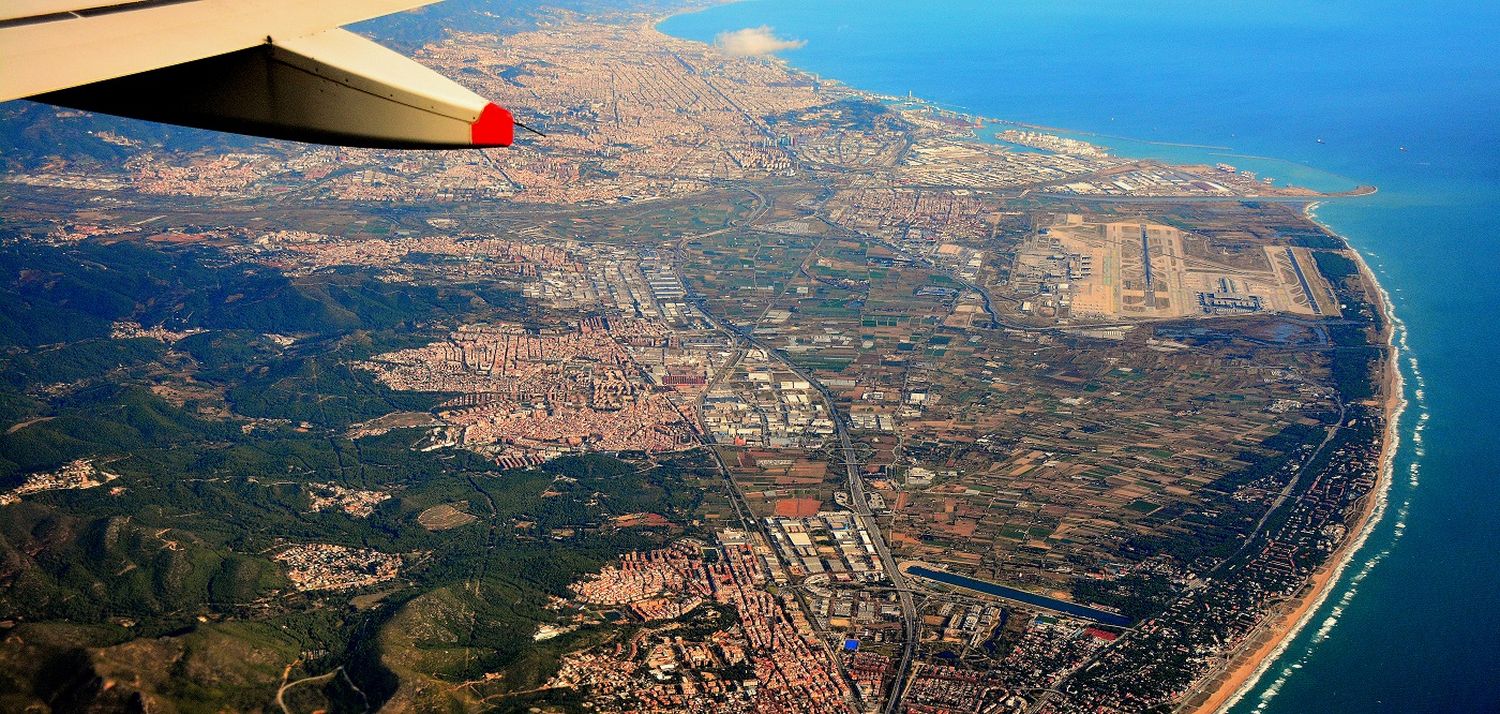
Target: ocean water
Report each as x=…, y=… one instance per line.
x=1412, y=624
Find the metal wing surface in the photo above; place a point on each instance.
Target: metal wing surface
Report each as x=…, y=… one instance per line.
x=277, y=68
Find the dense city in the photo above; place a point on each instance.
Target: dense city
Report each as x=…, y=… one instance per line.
x=740, y=391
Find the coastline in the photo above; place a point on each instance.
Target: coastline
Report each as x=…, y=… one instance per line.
x=1272, y=637
x=655, y=21
x=1288, y=623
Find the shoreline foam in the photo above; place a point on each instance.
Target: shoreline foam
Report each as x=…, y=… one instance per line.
x=1244, y=677
x=1288, y=624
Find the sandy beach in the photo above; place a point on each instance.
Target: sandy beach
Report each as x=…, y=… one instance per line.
x=1253, y=656
x=1256, y=654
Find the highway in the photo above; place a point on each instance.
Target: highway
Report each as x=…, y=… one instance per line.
x=861, y=506
x=903, y=594
x=858, y=501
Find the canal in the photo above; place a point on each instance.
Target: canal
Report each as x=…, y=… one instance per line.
x=1049, y=603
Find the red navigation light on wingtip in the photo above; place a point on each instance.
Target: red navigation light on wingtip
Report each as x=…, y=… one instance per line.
x=494, y=127
x=277, y=68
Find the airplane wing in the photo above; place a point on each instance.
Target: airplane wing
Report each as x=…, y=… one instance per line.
x=276, y=68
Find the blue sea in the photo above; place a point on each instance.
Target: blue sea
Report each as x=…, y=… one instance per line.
x=1413, y=625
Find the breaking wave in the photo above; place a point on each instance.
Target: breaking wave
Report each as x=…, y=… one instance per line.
x=1348, y=588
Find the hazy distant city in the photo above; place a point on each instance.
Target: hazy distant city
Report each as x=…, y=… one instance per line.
x=740, y=391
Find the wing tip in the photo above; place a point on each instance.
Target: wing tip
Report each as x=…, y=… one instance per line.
x=494, y=127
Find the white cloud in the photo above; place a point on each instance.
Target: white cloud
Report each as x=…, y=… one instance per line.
x=754, y=41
